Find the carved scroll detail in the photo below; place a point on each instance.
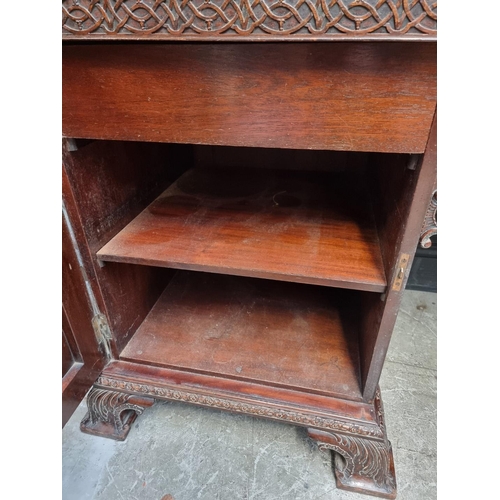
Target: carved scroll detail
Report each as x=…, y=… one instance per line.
x=429, y=227
x=366, y=462
x=362, y=463
x=111, y=413
x=242, y=18
x=259, y=410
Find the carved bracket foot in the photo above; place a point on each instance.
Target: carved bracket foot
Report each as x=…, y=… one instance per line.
x=361, y=465
x=110, y=413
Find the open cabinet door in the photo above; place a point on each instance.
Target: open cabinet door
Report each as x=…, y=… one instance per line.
x=84, y=352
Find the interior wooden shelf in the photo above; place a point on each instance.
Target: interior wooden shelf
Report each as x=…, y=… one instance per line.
x=281, y=334
x=307, y=227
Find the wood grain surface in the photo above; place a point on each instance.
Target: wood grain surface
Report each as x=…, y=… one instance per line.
x=306, y=227
x=277, y=333
x=344, y=96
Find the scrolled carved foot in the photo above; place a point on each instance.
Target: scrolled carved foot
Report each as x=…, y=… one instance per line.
x=361, y=465
x=110, y=413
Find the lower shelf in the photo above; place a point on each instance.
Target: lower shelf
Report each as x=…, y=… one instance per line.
x=281, y=334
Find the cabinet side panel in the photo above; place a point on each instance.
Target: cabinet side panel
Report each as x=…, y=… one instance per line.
x=112, y=183
x=393, y=184
x=400, y=203
x=344, y=96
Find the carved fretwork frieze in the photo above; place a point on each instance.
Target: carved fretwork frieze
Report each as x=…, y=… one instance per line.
x=202, y=19
x=429, y=227
x=111, y=413
x=258, y=409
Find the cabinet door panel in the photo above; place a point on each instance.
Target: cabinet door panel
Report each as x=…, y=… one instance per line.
x=82, y=356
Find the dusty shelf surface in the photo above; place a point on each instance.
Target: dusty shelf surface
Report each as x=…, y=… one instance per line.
x=277, y=333
x=306, y=227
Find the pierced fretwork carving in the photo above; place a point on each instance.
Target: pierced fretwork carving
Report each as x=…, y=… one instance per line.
x=249, y=18
x=110, y=414
x=429, y=227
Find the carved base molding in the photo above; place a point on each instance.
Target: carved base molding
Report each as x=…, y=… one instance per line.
x=296, y=416
x=110, y=414
x=363, y=462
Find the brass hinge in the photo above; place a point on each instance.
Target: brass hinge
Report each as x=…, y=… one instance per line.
x=400, y=273
x=102, y=333
x=413, y=162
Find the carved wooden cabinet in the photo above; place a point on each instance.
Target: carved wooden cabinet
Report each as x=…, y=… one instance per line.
x=240, y=218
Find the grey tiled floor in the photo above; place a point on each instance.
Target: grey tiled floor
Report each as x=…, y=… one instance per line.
x=184, y=452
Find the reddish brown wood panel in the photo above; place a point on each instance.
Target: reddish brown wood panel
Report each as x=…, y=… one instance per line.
x=392, y=185
x=77, y=325
x=346, y=96
x=69, y=339
x=243, y=390
x=283, y=334
x=113, y=182
x=404, y=216
x=67, y=357
x=314, y=228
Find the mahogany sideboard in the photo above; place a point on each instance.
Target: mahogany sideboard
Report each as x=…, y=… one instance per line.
x=244, y=187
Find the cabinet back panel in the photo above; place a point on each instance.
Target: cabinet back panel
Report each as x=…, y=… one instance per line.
x=345, y=96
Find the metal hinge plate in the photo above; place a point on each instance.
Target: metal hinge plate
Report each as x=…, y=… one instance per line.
x=102, y=333
x=400, y=273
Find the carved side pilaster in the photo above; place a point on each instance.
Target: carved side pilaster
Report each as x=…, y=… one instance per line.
x=429, y=227
x=110, y=414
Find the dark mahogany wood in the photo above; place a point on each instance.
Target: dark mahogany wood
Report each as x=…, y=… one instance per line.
x=83, y=357
x=314, y=228
x=110, y=414
x=361, y=465
x=142, y=379
x=67, y=355
x=403, y=205
x=113, y=182
x=259, y=319
x=282, y=334
x=345, y=96
x=354, y=430
x=287, y=20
